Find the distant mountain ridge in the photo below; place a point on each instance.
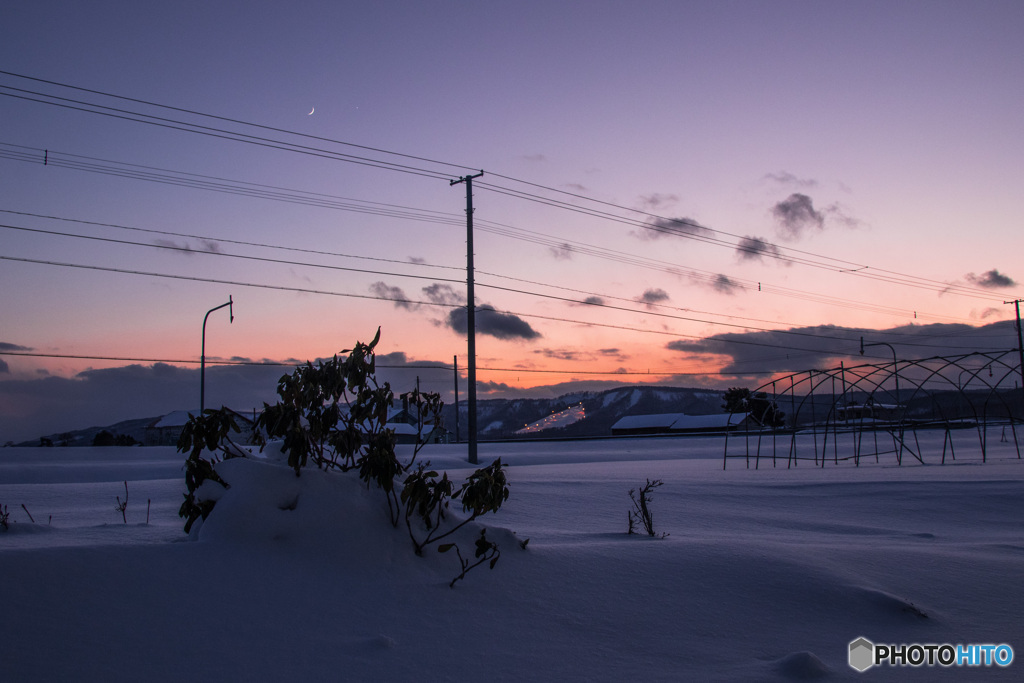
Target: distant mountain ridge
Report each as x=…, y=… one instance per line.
x=501, y=418
x=135, y=428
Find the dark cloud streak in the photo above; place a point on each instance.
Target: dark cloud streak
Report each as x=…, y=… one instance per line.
x=563, y=252
x=756, y=249
x=505, y=326
x=660, y=228
x=392, y=293
x=804, y=348
x=991, y=279
x=651, y=297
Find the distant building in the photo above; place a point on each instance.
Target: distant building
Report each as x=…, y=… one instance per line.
x=719, y=422
x=869, y=410
x=403, y=422
x=679, y=423
x=166, y=430
x=645, y=424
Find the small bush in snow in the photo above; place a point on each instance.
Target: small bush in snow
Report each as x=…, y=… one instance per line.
x=208, y=432
x=426, y=497
x=4, y=515
x=334, y=415
x=642, y=507
x=486, y=551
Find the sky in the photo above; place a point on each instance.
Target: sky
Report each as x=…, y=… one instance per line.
x=670, y=191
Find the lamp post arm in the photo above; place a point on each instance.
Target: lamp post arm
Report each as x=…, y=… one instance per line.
x=202, y=354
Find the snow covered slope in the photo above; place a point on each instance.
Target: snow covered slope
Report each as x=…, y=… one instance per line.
x=764, y=575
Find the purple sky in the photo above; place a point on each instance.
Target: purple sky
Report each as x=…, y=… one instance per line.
x=875, y=147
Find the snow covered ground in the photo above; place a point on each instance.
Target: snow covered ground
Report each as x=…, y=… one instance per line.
x=764, y=575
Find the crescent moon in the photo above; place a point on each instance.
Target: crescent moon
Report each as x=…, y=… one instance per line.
x=311, y=111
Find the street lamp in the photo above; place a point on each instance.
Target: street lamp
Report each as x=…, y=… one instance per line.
x=896, y=374
x=202, y=357
x=962, y=388
x=895, y=369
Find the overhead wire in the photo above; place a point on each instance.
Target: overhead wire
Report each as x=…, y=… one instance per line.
x=304, y=290
x=429, y=365
x=403, y=300
x=405, y=275
x=240, y=122
x=209, y=131
x=777, y=252
x=709, y=278
x=79, y=162
x=695, y=230
x=207, y=238
x=190, y=250
x=692, y=230
x=652, y=313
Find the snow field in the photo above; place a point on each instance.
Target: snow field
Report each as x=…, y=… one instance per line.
x=764, y=575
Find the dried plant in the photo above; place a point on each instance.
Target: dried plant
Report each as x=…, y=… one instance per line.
x=642, y=507
x=123, y=505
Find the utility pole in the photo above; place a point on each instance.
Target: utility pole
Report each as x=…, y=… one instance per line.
x=470, y=313
x=1020, y=344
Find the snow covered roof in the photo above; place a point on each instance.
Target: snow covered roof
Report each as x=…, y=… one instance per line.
x=662, y=421
x=403, y=429
x=700, y=422
x=176, y=419
x=678, y=422
x=179, y=417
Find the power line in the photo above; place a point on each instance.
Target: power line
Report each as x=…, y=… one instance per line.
x=439, y=366
x=691, y=230
x=183, y=126
x=191, y=278
x=206, y=238
x=418, y=277
x=189, y=250
x=776, y=252
x=435, y=279
x=412, y=366
x=715, y=280
x=708, y=277
x=193, y=361
x=240, y=122
x=45, y=157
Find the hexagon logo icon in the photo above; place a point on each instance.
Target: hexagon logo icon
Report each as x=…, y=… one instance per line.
x=862, y=654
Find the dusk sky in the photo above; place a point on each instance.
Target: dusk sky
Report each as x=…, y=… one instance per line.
x=708, y=192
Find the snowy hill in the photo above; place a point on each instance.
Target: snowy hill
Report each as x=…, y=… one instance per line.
x=556, y=420
x=501, y=418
